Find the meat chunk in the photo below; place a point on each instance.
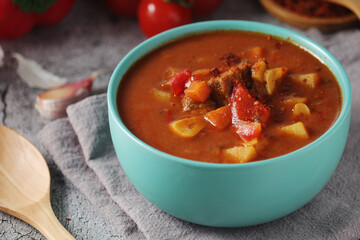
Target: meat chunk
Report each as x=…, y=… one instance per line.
x=256, y=88
x=258, y=91
x=195, y=108
x=245, y=69
x=221, y=86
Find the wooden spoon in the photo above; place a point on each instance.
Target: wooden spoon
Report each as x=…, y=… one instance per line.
x=324, y=24
x=25, y=185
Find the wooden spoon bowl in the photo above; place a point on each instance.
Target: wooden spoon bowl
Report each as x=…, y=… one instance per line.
x=25, y=185
x=304, y=22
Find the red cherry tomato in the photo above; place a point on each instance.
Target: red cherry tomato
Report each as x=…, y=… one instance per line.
x=126, y=8
x=19, y=17
x=16, y=23
x=156, y=16
x=5, y=7
x=205, y=7
x=55, y=13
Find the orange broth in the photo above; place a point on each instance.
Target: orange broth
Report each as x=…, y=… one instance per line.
x=148, y=119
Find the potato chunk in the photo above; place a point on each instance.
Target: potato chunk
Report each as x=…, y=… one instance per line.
x=272, y=77
x=310, y=80
x=258, y=69
x=240, y=154
x=301, y=109
x=188, y=127
x=297, y=130
x=161, y=95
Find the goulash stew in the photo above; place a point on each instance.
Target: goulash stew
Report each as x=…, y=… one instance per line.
x=229, y=97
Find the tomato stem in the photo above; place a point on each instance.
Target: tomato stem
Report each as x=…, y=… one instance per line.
x=37, y=6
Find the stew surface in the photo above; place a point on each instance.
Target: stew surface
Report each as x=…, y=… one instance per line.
x=229, y=97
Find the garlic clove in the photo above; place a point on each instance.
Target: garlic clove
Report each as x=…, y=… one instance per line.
x=35, y=75
x=52, y=103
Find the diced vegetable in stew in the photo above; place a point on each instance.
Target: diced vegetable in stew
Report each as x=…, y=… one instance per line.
x=229, y=97
x=240, y=154
x=296, y=130
x=301, y=109
x=187, y=127
x=219, y=118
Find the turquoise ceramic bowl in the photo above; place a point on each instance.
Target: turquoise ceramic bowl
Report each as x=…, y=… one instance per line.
x=229, y=195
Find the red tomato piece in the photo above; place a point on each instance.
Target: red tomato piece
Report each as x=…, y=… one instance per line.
x=156, y=16
x=55, y=13
x=205, y=7
x=247, y=108
x=125, y=8
x=177, y=83
x=247, y=130
x=248, y=114
x=5, y=9
x=16, y=23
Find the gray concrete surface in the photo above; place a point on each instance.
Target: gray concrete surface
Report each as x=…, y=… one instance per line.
x=89, y=39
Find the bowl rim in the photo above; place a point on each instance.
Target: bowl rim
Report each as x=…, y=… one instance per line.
x=249, y=26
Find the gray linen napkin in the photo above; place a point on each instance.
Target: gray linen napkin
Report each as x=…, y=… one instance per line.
x=81, y=147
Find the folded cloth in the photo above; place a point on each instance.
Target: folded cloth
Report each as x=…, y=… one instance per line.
x=81, y=146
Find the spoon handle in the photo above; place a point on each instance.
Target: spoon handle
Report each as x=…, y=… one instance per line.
x=41, y=216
